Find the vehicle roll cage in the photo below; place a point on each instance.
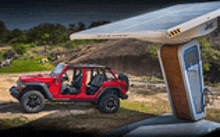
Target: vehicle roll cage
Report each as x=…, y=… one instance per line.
x=92, y=67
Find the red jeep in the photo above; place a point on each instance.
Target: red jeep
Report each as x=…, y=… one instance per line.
x=91, y=83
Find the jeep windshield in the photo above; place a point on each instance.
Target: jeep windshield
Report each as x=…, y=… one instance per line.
x=58, y=70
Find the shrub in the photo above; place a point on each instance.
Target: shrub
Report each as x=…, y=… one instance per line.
x=38, y=50
x=28, y=55
x=37, y=43
x=209, y=54
x=19, y=48
x=74, y=46
x=8, y=53
x=50, y=58
x=32, y=45
x=154, y=50
x=58, y=50
x=1, y=55
x=38, y=59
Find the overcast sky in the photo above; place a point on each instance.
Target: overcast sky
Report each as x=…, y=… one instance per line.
x=27, y=14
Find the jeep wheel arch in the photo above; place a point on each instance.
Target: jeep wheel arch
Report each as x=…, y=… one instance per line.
x=42, y=88
x=113, y=90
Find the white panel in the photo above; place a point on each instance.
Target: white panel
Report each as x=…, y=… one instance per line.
x=158, y=23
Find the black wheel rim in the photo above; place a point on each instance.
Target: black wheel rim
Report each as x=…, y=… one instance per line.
x=33, y=102
x=111, y=103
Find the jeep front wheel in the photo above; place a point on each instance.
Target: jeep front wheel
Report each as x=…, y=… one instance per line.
x=109, y=103
x=32, y=101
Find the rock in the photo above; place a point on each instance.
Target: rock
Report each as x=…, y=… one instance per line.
x=58, y=57
x=44, y=60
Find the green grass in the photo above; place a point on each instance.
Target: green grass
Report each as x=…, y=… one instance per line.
x=140, y=107
x=213, y=115
x=149, y=79
x=1, y=55
x=155, y=106
x=26, y=66
x=155, y=80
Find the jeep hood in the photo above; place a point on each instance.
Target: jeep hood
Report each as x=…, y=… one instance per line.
x=38, y=78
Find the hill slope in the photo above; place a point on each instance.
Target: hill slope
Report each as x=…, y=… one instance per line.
x=124, y=56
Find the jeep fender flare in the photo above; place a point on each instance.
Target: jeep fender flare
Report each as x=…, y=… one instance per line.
x=40, y=87
x=111, y=90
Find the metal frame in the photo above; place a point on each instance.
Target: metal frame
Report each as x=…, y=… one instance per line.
x=186, y=81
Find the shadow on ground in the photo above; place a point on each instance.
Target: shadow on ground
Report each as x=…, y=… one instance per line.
x=75, y=119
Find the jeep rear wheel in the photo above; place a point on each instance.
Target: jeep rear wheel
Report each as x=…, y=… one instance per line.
x=32, y=101
x=109, y=103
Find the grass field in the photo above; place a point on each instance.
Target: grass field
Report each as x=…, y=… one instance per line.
x=26, y=66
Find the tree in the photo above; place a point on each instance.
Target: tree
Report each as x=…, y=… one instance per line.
x=98, y=23
x=3, y=33
x=2, y=27
x=55, y=31
x=22, y=39
x=16, y=33
x=13, y=36
x=81, y=26
x=72, y=27
x=45, y=38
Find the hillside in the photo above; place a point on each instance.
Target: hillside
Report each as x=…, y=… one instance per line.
x=124, y=56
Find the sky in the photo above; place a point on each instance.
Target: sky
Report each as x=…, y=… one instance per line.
x=25, y=15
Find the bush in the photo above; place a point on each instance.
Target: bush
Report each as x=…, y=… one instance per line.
x=1, y=55
x=50, y=58
x=154, y=50
x=58, y=50
x=8, y=53
x=209, y=54
x=28, y=55
x=38, y=59
x=74, y=46
x=32, y=45
x=19, y=48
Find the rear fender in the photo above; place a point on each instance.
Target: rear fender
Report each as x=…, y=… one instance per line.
x=111, y=90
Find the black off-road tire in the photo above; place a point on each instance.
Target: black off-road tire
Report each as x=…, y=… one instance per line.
x=105, y=103
x=32, y=101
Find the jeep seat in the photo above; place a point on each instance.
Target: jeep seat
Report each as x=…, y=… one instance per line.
x=95, y=84
x=77, y=82
x=73, y=90
x=69, y=90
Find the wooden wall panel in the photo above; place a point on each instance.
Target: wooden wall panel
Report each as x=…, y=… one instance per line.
x=178, y=93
